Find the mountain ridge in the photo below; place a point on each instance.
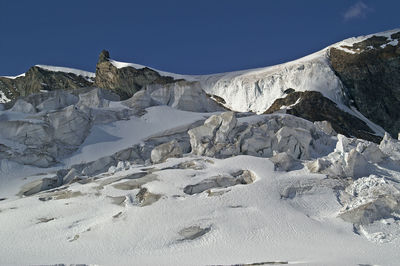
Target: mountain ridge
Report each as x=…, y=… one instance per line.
x=253, y=90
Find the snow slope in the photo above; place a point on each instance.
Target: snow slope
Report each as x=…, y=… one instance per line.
x=109, y=138
x=246, y=223
x=289, y=217
x=281, y=217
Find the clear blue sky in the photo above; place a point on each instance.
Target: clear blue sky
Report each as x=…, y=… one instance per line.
x=190, y=37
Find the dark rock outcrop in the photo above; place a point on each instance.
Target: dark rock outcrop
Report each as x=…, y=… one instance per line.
x=37, y=79
x=371, y=76
x=125, y=81
x=313, y=106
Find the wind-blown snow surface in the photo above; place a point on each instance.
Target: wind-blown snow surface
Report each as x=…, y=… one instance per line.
x=102, y=221
x=248, y=223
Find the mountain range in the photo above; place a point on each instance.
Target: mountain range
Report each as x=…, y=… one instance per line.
x=297, y=163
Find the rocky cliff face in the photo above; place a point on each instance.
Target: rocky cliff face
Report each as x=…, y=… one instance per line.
x=37, y=79
x=125, y=81
x=313, y=106
x=370, y=72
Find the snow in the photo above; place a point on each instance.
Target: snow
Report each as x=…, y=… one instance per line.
x=392, y=43
x=119, y=64
x=3, y=98
x=87, y=75
x=14, y=77
x=353, y=40
x=283, y=216
x=256, y=89
x=249, y=223
x=368, y=189
x=109, y=138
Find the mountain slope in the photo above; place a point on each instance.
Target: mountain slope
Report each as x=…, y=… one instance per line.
x=361, y=75
x=256, y=89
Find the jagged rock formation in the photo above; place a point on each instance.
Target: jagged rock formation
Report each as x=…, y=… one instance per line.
x=313, y=106
x=125, y=81
x=37, y=79
x=370, y=72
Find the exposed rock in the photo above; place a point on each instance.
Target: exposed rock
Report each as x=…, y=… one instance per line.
x=313, y=106
x=218, y=99
x=371, y=77
x=164, y=151
x=37, y=79
x=244, y=177
x=288, y=91
x=146, y=198
x=125, y=81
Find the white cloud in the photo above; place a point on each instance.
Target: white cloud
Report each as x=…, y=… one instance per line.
x=358, y=10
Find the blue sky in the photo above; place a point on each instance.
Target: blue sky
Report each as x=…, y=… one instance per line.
x=189, y=37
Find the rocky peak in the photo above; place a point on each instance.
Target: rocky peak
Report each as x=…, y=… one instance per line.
x=39, y=79
x=370, y=73
x=125, y=81
x=313, y=106
x=104, y=56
